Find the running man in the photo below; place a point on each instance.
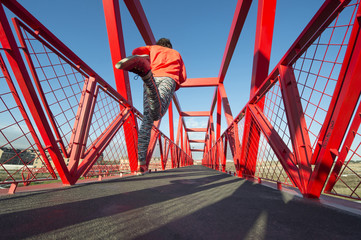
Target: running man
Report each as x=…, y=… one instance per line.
x=162, y=71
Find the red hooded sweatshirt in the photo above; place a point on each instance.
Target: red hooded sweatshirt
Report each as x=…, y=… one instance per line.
x=164, y=62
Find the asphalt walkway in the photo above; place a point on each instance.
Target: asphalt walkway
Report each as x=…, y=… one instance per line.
x=187, y=203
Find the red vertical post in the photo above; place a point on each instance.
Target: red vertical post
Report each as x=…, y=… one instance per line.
x=232, y=133
x=219, y=113
x=83, y=115
x=262, y=52
x=171, y=125
x=117, y=50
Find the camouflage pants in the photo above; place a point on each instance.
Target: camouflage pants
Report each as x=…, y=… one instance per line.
x=158, y=92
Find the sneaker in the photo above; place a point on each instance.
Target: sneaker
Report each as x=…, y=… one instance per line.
x=138, y=64
x=142, y=169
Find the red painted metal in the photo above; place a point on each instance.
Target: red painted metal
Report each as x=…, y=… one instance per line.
x=117, y=49
x=116, y=44
x=196, y=141
x=239, y=18
x=101, y=143
x=343, y=103
x=302, y=148
x=262, y=52
x=195, y=114
x=17, y=25
x=200, y=82
x=196, y=129
x=265, y=144
x=284, y=155
x=171, y=127
x=17, y=64
x=137, y=12
x=92, y=97
x=84, y=113
x=222, y=153
x=226, y=106
x=345, y=149
x=219, y=113
x=21, y=107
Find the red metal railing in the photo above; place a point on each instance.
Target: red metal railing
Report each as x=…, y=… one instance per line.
x=303, y=120
x=300, y=127
x=58, y=117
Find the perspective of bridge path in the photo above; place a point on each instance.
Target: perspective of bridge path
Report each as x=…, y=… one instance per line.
x=186, y=203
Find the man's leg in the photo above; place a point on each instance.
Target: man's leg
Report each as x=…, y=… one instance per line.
x=160, y=92
x=144, y=131
x=155, y=106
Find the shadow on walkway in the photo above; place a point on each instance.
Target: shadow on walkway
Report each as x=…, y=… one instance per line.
x=187, y=203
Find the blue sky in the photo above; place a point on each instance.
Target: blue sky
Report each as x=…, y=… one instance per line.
x=197, y=29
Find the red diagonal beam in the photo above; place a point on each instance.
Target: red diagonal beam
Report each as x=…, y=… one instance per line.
x=281, y=150
x=324, y=16
x=343, y=103
x=101, y=143
x=116, y=44
x=136, y=10
x=239, y=18
x=80, y=125
x=344, y=150
x=28, y=123
x=225, y=103
x=17, y=64
x=302, y=148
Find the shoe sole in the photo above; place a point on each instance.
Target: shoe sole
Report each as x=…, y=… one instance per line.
x=124, y=62
x=143, y=173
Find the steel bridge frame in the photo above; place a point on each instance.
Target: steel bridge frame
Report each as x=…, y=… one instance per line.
x=311, y=169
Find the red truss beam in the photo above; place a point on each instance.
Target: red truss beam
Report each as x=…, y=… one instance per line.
x=344, y=150
x=197, y=150
x=26, y=117
x=225, y=103
x=219, y=113
x=195, y=114
x=281, y=150
x=78, y=140
x=136, y=10
x=339, y=115
x=101, y=143
x=17, y=25
x=324, y=16
x=116, y=43
x=200, y=82
x=196, y=141
x=239, y=18
x=196, y=129
x=302, y=148
x=117, y=50
x=17, y=64
x=262, y=53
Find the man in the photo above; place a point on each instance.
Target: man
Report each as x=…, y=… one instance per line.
x=162, y=71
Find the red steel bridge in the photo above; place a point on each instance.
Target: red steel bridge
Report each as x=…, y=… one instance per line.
x=300, y=127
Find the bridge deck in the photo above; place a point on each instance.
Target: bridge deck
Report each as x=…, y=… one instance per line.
x=187, y=203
